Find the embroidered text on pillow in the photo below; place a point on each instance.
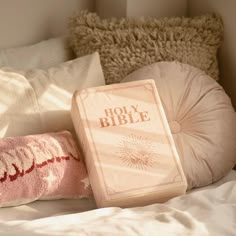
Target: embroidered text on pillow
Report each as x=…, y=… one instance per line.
x=21, y=160
x=44, y=166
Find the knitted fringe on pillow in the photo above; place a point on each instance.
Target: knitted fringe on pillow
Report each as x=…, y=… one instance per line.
x=127, y=44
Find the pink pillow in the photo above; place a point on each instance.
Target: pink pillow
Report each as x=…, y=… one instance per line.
x=201, y=118
x=45, y=166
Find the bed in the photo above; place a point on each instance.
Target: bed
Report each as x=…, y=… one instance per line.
x=206, y=211
x=40, y=44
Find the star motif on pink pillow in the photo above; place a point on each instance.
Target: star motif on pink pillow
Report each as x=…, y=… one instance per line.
x=86, y=183
x=50, y=178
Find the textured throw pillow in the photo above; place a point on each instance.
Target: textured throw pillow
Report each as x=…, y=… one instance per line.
x=39, y=101
x=38, y=56
x=201, y=118
x=46, y=166
x=125, y=45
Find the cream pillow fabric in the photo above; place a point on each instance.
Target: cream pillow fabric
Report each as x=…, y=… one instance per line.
x=41, y=55
x=19, y=112
x=39, y=101
x=201, y=118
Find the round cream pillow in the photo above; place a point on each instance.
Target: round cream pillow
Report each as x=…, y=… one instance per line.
x=201, y=118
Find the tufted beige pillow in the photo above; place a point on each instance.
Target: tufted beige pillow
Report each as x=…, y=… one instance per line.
x=201, y=118
x=125, y=44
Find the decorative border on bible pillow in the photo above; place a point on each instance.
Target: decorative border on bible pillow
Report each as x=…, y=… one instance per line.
x=45, y=166
x=126, y=44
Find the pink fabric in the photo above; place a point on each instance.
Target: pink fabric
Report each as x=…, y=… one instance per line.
x=46, y=166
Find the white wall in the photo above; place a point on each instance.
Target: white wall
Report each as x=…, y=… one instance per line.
x=62, y=9
x=111, y=8
x=24, y=22
x=158, y=8
x=136, y=8
x=227, y=55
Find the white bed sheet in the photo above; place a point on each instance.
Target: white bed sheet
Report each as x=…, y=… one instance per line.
x=206, y=211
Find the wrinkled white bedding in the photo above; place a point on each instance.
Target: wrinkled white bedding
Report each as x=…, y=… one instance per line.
x=206, y=211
